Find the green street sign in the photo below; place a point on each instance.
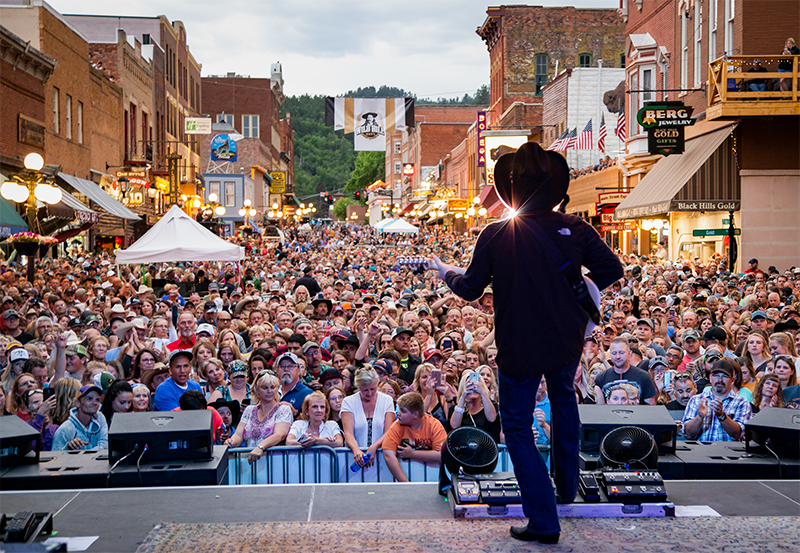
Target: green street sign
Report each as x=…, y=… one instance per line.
x=726, y=221
x=715, y=232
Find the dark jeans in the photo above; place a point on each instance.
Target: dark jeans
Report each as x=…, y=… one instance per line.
x=517, y=402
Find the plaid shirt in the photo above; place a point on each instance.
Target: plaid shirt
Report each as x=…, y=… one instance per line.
x=733, y=405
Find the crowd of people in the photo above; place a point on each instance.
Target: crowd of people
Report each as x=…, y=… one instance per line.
x=328, y=339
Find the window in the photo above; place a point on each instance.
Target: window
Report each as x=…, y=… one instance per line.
x=68, y=115
x=80, y=123
x=230, y=194
x=541, y=72
x=225, y=118
x=397, y=147
x=647, y=84
x=684, y=50
x=56, y=101
x=584, y=60
x=213, y=188
x=698, y=44
x=398, y=167
x=634, y=104
x=250, y=126
x=622, y=60
x=712, y=30
x=729, y=13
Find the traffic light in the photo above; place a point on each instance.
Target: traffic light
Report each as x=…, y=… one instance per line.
x=357, y=195
x=329, y=199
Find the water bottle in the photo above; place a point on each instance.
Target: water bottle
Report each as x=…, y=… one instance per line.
x=355, y=468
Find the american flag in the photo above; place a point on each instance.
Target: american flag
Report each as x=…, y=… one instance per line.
x=570, y=140
x=601, y=134
x=557, y=142
x=620, y=130
x=586, y=139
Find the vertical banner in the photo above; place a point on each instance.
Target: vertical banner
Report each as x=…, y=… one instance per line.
x=369, y=119
x=481, y=139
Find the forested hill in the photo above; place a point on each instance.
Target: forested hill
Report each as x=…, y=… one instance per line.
x=324, y=159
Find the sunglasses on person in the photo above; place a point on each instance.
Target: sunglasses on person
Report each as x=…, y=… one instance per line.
x=265, y=372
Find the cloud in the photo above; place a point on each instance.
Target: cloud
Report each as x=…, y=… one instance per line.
x=428, y=47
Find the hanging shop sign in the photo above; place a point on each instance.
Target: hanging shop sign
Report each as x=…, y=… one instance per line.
x=664, y=123
x=278, y=184
x=481, y=139
x=223, y=148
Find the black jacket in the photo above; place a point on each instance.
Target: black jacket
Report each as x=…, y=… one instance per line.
x=538, y=321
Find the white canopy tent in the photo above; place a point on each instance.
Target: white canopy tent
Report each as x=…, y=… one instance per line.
x=382, y=223
x=178, y=237
x=399, y=225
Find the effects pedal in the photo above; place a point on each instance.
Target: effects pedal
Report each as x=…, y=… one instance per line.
x=634, y=486
x=500, y=492
x=467, y=491
x=588, y=487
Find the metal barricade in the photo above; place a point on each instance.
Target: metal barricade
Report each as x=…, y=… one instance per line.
x=327, y=465
x=284, y=465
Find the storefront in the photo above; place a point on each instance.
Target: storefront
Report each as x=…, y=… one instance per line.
x=686, y=201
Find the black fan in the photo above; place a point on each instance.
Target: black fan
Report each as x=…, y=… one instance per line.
x=629, y=446
x=469, y=450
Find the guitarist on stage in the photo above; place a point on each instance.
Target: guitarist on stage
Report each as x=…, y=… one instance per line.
x=533, y=261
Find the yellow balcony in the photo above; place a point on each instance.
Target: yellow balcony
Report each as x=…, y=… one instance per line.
x=730, y=96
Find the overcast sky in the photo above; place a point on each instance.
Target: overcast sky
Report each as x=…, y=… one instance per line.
x=427, y=47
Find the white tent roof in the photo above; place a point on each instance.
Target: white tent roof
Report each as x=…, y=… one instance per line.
x=399, y=225
x=178, y=237
x=382, y=223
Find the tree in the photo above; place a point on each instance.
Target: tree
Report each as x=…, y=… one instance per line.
x=340, y=208
x=370, y=166
x=482, y=97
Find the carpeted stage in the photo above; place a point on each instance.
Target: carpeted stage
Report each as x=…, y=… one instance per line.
x=756, y=516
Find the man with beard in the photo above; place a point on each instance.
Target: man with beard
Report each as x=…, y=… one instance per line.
x=718, y=414
x=293, y=391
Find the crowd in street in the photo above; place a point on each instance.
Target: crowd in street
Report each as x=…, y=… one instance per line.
x=328, y=339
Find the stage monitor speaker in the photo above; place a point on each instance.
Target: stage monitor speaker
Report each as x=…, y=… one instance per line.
x=777, y=428
x=726, y=461
x=17, y=440
x=599, y=420
x=168, y=435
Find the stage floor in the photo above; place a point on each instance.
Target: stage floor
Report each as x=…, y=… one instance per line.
x=123, y=517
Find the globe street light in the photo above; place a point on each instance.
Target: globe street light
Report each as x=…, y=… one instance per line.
x=29, y=186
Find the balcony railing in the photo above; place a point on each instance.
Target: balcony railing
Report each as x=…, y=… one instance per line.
x=729, y=93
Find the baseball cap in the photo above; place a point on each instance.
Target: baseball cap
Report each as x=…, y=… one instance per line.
x=10, y=313
x=103, y=380
x=308, y=345
x=722, y=365
x=286, y=355
x=76, y=349
x=210, y=307
x=205, y=327
x=758, y=314
x=398, y=330
x=658, y=360
x=184, y=352
x=754, y=260
x=382, y=365
x=18, y=354
x=89, y=388
x=430, y=352
x=237, y=367
x=690, y=334
x=329, y=374
x=715, y=333
x=648, y=322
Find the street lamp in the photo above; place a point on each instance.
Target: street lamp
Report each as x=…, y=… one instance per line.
x=29, y=186
x=247, y=212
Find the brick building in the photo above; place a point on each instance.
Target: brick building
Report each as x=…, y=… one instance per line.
x=742, y=155
x=529, y=45
x=176, y=91
x=252, y=106
x=83, y=130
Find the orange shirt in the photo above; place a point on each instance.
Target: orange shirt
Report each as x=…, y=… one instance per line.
x=430, y=436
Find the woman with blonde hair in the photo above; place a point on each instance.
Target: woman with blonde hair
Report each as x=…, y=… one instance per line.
x=67, y=390
x=314, y=428
x=768, y=393
x=474, y=406
x=757, y=349
x=266, y=422
x=439, y=400
x=366, y=416
x=228, y=352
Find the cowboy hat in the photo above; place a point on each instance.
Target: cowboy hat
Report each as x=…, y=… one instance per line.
x=531, y=179
x=125, y=327
x=243, y=302
x=116, y=309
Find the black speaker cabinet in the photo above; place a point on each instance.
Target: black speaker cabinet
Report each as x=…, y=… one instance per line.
x=599, y=420
x=777, y=428
x=726, y=461
x=19, y=442
x=168, y=435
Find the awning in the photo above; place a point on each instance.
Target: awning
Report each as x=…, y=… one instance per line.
x=424, y=209
x=99, y=196
x=408, y=208
x=82, y=213
x=656, y=192
x=488, y=196
x=10, y=221
x=68, y=232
